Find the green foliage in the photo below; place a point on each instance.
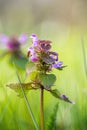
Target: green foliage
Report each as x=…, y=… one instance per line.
x=3, y=113
x=52, y=121
x=57, y=94
x=47, y=80
x=84, y=56
x=17, y=88
x=3, y=54
x=19, y=62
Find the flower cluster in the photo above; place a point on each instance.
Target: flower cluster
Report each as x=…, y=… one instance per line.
x=40, y=53
x=13, y=44
x=12, y=47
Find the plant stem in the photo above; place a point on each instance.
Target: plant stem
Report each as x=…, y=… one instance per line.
x=41, y=109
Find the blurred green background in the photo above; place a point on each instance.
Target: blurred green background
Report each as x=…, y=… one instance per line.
x=64, y=23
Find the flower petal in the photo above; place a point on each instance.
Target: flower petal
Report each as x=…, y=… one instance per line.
x=35, y=39
x=54, y=55
x=31, y=50
x=44, y=45
x=4, y=40
x=23, y=38
x=32, y=54
x=58, y=65
x=65, y=98
x=34, y=58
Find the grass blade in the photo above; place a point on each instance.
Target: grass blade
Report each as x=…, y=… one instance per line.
x=27, y=103
x=52, y=122
x=3, y=112
x=84, y=56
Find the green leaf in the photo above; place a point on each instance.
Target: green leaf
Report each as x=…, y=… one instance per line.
x=47, y=80
x=19, y=62
x=63, y=97
x=17, y=88
x=56, y=93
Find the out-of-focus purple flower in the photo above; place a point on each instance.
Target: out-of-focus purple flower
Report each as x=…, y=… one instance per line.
x=54, y=55
x=22, y=38
x=13, y=43
x=44, y=45
x=35, y=39
x=58, y=65
x=4, y=40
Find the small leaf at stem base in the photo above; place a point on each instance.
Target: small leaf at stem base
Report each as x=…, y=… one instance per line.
x=17, y=88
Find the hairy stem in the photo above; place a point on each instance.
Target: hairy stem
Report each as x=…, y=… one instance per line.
x=42, y=109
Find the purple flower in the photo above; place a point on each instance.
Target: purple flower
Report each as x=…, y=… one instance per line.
x=34, y=58
x=31, y=50
x=64, y=97
x=13, y=43
x=40, y=51
x=44, y=45
x=58, y=65
x=32, y=54
x=23, y=38
x=35, y=39
x=4, y=40
x=54, y=55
